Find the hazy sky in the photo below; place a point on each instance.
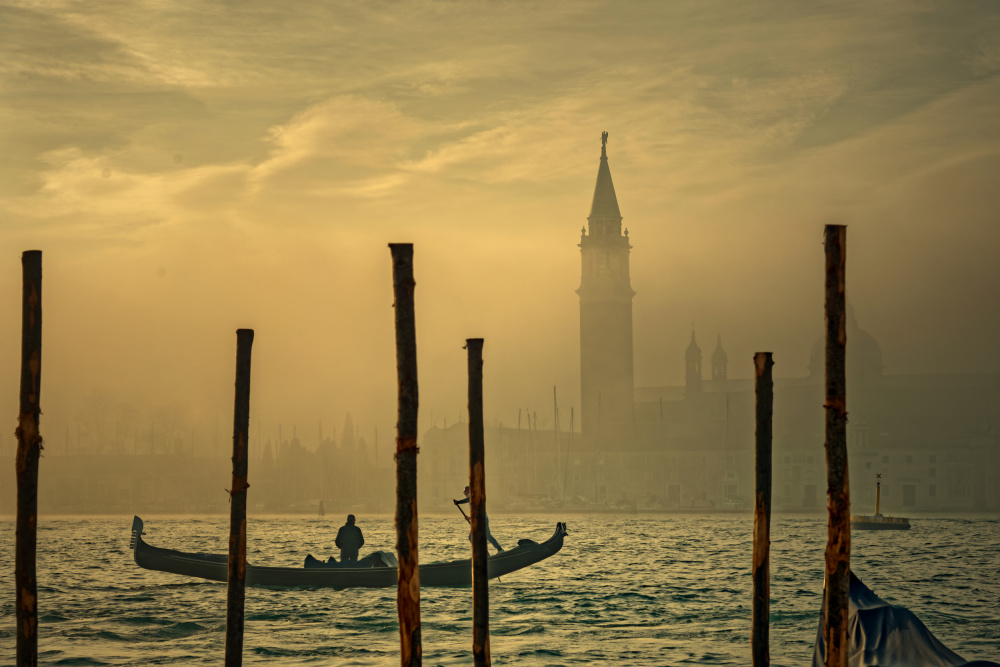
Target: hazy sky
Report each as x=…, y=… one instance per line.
x=189, y=168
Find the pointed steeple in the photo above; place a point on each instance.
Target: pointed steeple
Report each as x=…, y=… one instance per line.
x=719, y=361
x=692, y=363
x=692, y=349
x=605, y=204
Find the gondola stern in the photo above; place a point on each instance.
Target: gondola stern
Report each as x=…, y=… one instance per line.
x=137, y=526
x=136, y=539
x=558, y=535
x=557, y=539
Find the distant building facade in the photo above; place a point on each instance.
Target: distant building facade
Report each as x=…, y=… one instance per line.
x=934, y=438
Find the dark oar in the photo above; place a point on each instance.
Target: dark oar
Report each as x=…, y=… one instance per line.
x=466, y=516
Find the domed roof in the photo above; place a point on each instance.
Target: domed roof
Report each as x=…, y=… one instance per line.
x=864, y=354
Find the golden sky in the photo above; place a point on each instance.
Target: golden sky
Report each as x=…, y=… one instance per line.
x=190, y=168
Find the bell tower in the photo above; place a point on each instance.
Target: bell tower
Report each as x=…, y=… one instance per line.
x=606, y=371
x=692, y=367
x=720, y=360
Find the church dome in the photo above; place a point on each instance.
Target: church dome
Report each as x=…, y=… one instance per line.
x=864, y=354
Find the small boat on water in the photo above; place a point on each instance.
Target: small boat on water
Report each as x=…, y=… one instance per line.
x=878, y=521
x=376, y=570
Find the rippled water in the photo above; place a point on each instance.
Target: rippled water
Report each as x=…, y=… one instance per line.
x=640, y=590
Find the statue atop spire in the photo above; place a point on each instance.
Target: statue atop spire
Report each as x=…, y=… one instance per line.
x=605, y=205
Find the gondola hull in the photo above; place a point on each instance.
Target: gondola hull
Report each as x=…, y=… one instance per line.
x=453, y=573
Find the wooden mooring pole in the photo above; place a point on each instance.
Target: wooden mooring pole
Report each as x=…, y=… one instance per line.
x=29, y=447
x=477, y=508
x=408, y=583
x=838, y=546
x=238, y=503
x=760, y=618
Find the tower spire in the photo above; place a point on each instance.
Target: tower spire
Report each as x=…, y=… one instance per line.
x=692, y=362
x=720, y=361
x=605, y=216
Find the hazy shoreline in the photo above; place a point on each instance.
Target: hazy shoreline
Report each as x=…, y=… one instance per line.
x=334, y=517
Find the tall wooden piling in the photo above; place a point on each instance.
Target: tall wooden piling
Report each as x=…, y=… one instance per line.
x=477, y=508
x=838, y=546
x=408, y=584
x=760, y=618
x=29, y=447
x=238, y=503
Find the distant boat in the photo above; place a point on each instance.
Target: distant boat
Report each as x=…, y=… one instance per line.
x=376, y=570
x=878, y=521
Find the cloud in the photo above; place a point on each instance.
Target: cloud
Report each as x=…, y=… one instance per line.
x=345, y=144
x=986, y=59
x=85, y=196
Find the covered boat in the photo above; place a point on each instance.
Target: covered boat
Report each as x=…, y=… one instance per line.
x=883, y=635
x=377, y=570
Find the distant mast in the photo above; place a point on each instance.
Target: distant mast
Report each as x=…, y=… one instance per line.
x=877, y=521
x=878, y=491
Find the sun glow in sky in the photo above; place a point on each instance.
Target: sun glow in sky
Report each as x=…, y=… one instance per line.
x=190, y=168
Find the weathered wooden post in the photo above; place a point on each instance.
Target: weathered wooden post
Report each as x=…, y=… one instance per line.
x=408, y=584
x=238, y=503
x=29, y=447
x=760, y=618
x=477, y=509
x=838, y=545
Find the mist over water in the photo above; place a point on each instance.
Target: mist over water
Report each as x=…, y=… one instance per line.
x=637, y=590
x=184, y=183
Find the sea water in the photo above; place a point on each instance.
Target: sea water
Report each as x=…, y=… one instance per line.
x=624, y=590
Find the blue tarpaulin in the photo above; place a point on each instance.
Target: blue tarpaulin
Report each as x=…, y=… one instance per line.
x=885, y=635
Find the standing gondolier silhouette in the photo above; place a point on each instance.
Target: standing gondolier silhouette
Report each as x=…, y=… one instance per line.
x=489, y=535
x=349, y=540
